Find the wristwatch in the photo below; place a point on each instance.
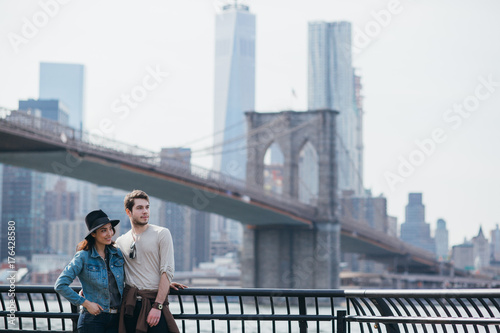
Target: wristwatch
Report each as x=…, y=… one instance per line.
x=157, y=305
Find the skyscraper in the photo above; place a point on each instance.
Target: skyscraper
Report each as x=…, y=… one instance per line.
x=463, y=256
x=2, y=245
x=234, y=93
x=332, y=84
x=23, y=202
x=64, y=82
x=52, y=109
x=415, y=230
x=234, y=86
x=111, y=201
x=441, y=237
x=481, y=251
x=189, y=228
x=495, y=244
x=61, y=204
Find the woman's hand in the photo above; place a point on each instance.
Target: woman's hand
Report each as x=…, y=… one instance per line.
x=92, y=308
x=177, y=286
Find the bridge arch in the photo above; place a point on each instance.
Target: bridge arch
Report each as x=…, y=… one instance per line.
x=308, y=174
x=274, y=163
x=292, y=131
x=305, y=257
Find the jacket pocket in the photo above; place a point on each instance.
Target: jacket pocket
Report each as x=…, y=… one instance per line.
x=93, y=271
x=119, y=262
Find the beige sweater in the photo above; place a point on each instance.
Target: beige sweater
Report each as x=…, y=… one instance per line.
x=154, y=256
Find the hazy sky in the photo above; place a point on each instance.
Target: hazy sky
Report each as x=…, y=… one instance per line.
x=430, y=72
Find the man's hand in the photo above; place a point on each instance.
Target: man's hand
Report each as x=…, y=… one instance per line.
x=153, y=317
x=177, y=286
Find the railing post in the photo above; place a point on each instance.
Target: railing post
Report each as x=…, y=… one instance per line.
x=341, y=322
x=302, y=311
x=74, y=309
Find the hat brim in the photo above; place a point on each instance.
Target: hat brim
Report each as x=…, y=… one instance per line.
x=113, y=223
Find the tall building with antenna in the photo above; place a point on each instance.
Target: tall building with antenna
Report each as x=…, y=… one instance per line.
x=333, y=84
x=234, y=86
x=234, y=93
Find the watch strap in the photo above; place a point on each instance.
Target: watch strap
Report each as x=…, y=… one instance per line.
x=157, y=305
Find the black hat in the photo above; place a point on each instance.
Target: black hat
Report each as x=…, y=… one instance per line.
x=96, y=219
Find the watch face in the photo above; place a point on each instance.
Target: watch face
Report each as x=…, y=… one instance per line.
x=160, y=306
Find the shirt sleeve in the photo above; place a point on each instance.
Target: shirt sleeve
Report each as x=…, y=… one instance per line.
x=167, y=264
x=67, y=277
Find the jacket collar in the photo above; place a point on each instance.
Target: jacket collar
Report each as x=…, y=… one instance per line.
x=111, y=249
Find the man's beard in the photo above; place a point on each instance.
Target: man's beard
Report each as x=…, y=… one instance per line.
x=139, y=223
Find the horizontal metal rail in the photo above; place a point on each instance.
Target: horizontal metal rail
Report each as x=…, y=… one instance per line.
x=425, y=320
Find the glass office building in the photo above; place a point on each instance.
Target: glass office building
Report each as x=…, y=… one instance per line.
x=64, y=82
x=234, y=86
x=332, y=84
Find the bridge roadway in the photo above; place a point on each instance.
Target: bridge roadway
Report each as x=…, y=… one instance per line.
x=47, y=146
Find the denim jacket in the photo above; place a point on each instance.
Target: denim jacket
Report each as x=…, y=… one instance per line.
x=90, y=268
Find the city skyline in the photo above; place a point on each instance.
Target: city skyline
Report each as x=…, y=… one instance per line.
x=430, y=89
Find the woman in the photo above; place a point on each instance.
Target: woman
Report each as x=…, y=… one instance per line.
x=99, y=266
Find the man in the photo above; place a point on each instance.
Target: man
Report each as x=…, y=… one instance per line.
x=149, y=268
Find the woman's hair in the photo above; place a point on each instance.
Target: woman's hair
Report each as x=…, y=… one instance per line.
x=89, y=241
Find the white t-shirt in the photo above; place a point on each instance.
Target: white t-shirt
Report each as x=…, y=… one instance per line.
x=154, y=256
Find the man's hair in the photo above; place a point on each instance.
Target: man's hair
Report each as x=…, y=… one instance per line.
x=135, y=194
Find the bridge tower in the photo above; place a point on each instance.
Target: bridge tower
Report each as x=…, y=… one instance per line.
x=294, y=257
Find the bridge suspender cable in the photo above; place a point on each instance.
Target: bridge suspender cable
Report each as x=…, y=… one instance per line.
x=254, y=132
x=213, y=134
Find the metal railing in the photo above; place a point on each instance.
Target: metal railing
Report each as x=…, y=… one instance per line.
x=449, y=310
x=35, y=309
x=39, y=308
